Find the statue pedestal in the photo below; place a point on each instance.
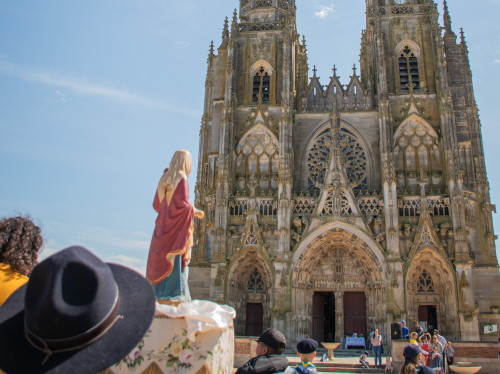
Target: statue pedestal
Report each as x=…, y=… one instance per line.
x=194, y=337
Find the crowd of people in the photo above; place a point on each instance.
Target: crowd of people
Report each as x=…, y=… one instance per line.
x=434, y=352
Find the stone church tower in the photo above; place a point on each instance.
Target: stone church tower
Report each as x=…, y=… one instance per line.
x=332, y=209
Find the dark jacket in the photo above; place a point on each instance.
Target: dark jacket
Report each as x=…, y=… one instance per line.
x=264, y=365
x=425, y=370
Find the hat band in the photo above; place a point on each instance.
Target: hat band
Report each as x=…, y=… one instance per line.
x=54, y=346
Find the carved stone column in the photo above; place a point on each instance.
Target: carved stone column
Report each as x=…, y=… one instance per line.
x=339, y=315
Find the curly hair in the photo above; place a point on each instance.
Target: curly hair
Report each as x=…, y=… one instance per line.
x=410, y=366
x=20, y=241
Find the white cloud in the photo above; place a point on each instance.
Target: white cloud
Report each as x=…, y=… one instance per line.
x=60, y=97
x=50, y=246
x=116, y=239
x=324, y=11
x=86, y=87
x=497, y=61
x=138, y=264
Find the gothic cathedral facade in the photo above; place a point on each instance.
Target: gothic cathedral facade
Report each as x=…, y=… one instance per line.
x=332, y=209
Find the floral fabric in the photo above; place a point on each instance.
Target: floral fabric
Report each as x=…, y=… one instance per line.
x=169, y=346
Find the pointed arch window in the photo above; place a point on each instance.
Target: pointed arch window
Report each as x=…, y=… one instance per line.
x=408, y=69
x=255, y=282
x=417, y=153
x=261, y=85
x=425, y=283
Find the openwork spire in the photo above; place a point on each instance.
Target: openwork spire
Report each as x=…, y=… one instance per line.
x=447, y=18
x=462, y=37
x=234, y=23
x=225, y=30
x=211, y=51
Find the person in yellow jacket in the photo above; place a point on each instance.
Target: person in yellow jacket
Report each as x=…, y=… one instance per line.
x=20, y=242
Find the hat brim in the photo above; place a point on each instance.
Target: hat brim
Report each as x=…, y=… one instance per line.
x=137, y=306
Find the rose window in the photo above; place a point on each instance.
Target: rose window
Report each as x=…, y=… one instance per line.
x=353, y=156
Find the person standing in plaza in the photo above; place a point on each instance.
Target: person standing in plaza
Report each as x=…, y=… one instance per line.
x=435, y=343
x=436, y=359
x=424, y=340
x=419, y=329
x=449, y=353
x=376, y=343
x=404, y=330
x=443, y=342
x=370, y=336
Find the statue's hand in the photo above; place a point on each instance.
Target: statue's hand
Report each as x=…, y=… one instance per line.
x=199, y=214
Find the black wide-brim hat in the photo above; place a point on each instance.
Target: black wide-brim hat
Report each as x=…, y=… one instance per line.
x=135, y=312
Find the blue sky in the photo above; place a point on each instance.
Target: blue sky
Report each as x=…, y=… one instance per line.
x=97, y=95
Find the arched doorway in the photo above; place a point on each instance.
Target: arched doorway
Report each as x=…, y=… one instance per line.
x=337, y=264
x=431, y=293
x=249, y=292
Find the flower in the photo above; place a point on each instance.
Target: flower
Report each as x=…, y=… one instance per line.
x=176, y=349
x=185, y=356
x=134, y=355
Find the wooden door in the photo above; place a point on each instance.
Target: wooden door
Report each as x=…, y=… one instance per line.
x=319, y=316
x=255, y=319
x=355, y=313
x=427, y=314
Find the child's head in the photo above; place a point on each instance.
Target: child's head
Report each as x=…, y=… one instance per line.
x=388, y=359
x=435, y=349
x=306, y=349
x=414, y=335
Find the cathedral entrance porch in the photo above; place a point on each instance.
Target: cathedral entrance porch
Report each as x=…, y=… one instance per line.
x=338, y=286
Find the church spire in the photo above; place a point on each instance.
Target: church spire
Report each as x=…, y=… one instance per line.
x=234, y=23
x=211, y=51
x=447, y=18
x=462, y=37
x=225, y=30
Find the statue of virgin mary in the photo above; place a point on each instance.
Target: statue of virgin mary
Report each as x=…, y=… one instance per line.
x=170, y=250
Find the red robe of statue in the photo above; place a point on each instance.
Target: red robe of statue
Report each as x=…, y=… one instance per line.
x=172, y=234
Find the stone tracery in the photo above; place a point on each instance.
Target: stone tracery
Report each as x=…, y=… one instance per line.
x=257, y=159
x=353, y=154
x=417, y=153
